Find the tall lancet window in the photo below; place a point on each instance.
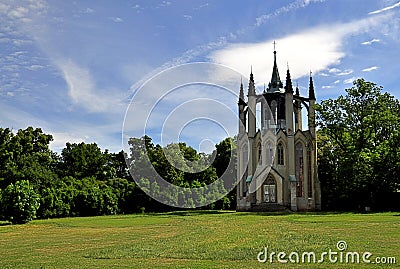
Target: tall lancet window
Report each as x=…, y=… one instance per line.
x=299, y=170
x=274, y=111
x=269, y=154
x=281, y=157
x=309, y=182
x=259, y=153
x=245, y=156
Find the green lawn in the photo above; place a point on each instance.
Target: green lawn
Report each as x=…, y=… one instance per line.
x=199, y=239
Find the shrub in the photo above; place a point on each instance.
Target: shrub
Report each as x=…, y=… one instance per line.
x=19, y=202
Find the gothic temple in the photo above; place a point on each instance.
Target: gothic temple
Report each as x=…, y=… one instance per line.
x=277, y=162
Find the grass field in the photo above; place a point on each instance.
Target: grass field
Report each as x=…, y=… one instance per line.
x=199, y=239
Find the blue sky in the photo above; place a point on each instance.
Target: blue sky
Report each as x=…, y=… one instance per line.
x=72, y=67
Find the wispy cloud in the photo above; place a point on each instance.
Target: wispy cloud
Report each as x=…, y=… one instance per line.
x=164, y=4
x=81, y=88
x=349, y=80
x=223, y=41
x=88, y=10
x=385, y=9
x=116, y=19
x=294, y=5
x=187, y=17
x=369, y=69
x=375, y=40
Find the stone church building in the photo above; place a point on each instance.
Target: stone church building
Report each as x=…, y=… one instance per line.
x=277, y=164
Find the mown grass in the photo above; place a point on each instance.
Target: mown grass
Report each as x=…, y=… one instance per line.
x=197, y=239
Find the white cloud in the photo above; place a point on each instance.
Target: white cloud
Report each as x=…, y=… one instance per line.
x=349, y=80
x=375, y=40
x=385, y=9
x=369, y=69
x=334, y=70
x=345, y=72
x=116, y=19
x=316, y=49
x=60, y=139
x=164, y=4
x=81, y=88
x=336, y=82
x=187, y=17
x=327, y=87
x=88, y=11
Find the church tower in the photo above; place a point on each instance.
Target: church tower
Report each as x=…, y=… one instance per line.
x=277, y=164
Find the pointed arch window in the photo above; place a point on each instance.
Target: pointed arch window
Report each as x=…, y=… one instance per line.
x=245, y=159
x=274, y=110
x=309, y=170
x=269, y=154
x=259, y=153
x=299, y=170
x=281, y=156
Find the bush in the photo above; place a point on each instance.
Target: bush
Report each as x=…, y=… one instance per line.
x=19, y=202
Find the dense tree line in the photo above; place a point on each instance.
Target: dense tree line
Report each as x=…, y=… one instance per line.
x=358, y=166
x=359, y=149
x=82, y=180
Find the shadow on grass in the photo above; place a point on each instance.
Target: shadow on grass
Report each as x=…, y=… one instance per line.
x=4, y=223
x=194, y=212
x=275, y=213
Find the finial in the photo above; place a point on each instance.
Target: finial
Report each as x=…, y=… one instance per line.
x=251, y=69
x=274, y=44
x=310, y=73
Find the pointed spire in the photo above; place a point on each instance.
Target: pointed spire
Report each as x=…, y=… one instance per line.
x=241, y=93
x=276, y=82
x=252, y=88
x=311, y=93
x=289, y=86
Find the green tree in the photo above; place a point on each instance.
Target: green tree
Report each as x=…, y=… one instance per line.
x=359, y=146
x=85, y=160
x=19, y=202
x=26, y=155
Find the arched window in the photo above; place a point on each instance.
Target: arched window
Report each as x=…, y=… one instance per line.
x=310, y=190
x=274, y=110
x=299, y=170
x=269, y=154
x=245, y=156
x=259, y=153
x=281, y=157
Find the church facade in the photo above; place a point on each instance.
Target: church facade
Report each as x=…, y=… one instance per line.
x=277, y=163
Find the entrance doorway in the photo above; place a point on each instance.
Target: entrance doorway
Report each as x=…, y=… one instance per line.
x=269, y=188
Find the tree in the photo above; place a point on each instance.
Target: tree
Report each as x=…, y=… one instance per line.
x=19, y=202
x=359, y=145
x=85, y=160
x=26, y=155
